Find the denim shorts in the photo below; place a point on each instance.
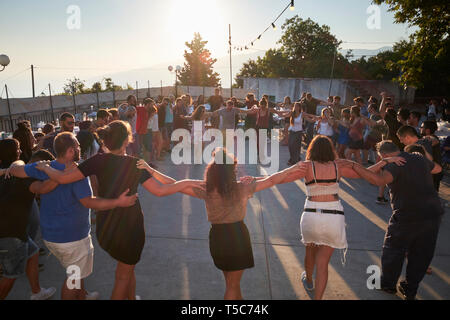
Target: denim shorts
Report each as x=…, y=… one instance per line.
x=14, y=254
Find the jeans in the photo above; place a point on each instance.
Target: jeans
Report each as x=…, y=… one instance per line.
x=14, y=254
x=167, y=132
x=417, y=240
x=295, y=146
x=309, y=132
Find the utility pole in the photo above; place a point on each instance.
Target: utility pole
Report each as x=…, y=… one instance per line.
x=332, y=72
x=32, y=80
x=231, y=69
x=161, y=89
x=51, y=102
x=9, y=109
x=148, y=89
x=137, y=93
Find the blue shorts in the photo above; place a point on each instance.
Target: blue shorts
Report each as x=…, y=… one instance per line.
x=14, y=254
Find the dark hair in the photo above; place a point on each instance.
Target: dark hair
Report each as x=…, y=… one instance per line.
x=407, y=131
x=48, y=128
x=200, y=100
x=321, y=149
x=198, y=112
x=8, y=152
x=102, y=114
x=294, y=114
x=415, y=148
x=38, y=135
x=356, y=110
x=23, y=135
x=337, y=98
x=391, y=113
x=130, y=97
x=358, y=99
x=63, y=141
x=416, y=114
x=372, y=105
x=115, y=134
x=387, y=147
x=86, y=139
x=221, y=177
x=64, y=116
x=42, y=155
x=404, y=113
x=85, y=125
x=430, y=125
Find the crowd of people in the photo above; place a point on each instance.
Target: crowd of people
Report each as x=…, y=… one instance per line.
x=53, y=179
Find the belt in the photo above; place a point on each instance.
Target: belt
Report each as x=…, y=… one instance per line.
x=324, y=211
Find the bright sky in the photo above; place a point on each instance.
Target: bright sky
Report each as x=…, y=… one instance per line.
x=123, y=35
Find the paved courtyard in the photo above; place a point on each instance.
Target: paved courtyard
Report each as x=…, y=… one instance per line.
x=176, y=263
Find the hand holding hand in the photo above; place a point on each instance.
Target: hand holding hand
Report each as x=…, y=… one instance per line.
x=247, y=180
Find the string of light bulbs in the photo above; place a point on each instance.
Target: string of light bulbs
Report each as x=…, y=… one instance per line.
x=272, y=25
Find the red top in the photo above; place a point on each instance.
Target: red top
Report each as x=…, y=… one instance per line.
x=263, y=121
x=142, y=120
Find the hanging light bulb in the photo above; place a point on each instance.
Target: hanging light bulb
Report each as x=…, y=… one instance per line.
x=252, y=44
x=246, y=48
x=259, y=37
x=292, y=5
x=274, y=26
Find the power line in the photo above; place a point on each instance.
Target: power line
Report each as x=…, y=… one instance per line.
x=272, y=24
x=15, y=75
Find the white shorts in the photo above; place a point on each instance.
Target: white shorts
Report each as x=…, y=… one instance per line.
x=323, y=228
x=77, y=253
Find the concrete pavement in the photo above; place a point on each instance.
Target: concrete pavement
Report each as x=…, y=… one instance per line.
x=176, y=263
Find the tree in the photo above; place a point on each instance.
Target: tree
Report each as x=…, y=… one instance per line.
x=74, y=86
x=426, y=61
x=307, y=50
x=198, y=68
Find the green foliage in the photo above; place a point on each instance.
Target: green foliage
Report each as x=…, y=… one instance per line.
x=426, y=61
x=198, y=68
x=77, y=86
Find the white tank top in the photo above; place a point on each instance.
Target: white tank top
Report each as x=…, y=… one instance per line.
x=325, y=129
x=298, y=124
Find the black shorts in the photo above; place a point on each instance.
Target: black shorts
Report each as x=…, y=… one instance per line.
x=356, y=145
x=230, y=246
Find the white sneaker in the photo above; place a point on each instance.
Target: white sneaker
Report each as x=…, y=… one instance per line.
x=92, y=295
x=44, y=294
x=308, y=286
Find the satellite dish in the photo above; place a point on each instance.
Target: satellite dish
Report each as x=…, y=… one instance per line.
x=170, y=68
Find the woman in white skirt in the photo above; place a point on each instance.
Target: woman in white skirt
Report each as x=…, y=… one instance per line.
x=322, y=224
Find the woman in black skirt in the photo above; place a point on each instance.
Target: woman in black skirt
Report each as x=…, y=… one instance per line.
x=120, y=231
x=226, y=206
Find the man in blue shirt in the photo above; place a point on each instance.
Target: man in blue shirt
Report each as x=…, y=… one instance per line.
x=65, y=217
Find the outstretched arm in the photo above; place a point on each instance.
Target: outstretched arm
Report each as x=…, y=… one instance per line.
x=61, y=177
x=290, y=174
x=165, y=180
x=161, y=190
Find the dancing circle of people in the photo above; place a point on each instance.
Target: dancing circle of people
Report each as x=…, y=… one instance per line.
x=66, y=190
